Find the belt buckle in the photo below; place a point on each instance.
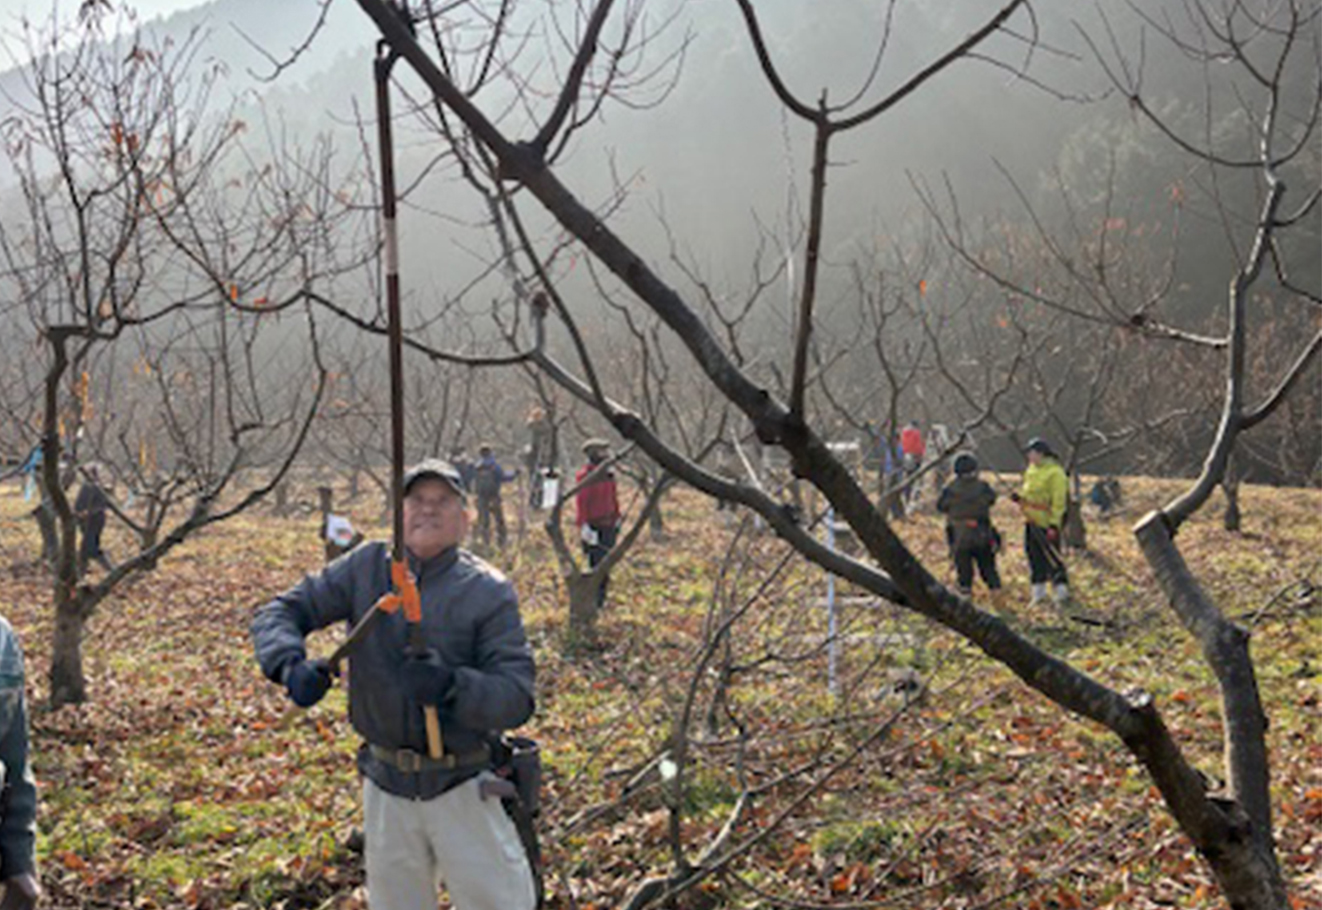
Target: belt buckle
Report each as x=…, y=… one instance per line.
x=408, y=760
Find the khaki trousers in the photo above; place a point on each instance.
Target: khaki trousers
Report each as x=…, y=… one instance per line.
x=458, y=837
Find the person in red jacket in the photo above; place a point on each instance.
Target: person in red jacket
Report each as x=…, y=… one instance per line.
x=915, y=450
x=911, y=443
x=597, y=508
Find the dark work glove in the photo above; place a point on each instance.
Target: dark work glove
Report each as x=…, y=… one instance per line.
x=1014, y=497
x=1053, y=536
x=427, y=679
x=307, y=681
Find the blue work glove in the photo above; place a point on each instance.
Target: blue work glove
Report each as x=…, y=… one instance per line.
x=307, y=681
x=426, y=677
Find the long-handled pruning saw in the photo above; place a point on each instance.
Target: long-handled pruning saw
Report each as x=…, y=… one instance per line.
x=404, y=594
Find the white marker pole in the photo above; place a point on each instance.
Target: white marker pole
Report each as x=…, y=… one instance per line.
x=833, y=643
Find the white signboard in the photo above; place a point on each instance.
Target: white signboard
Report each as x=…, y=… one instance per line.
x=550, y=492
x=339, y=530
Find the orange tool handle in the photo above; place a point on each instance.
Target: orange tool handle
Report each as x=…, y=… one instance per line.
x=411, y=602
x=407, y=589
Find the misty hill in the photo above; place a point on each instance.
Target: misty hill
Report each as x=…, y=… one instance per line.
x=243, y=37
x=717, y=157
x=240, y=33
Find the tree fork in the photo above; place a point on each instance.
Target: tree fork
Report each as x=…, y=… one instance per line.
x=1225, y=647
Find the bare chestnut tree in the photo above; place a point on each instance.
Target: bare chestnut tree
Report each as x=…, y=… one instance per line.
x=1231, y=830
x=134, y=237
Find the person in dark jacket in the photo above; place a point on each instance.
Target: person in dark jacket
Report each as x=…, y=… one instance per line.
x=597, y=508
x=18, y=799
x=425, y=819
x=90, y=510
x=966, y=502
x=488, y=478
x=1105, y=495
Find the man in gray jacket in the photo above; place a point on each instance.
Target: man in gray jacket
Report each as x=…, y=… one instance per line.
x=425, y=819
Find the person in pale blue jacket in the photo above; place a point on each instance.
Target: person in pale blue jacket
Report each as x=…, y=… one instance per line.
x=44, y=512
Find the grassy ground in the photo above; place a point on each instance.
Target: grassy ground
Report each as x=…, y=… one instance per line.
x=187, y=781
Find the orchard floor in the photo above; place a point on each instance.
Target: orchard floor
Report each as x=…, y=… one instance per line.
x=186, y=781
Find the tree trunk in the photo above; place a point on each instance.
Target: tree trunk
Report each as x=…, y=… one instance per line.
x=584, y=590
x=1234, y=835
x=151, y=525
x=281, y=507
x=49, y=537
x=1232, y=517
x=1230, y=486
x=720, y=696
x=67, y=685
x=1076, y=532
x=325, y=503
x=656, y=525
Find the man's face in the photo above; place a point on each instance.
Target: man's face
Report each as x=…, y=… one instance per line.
x=1034, y=456
x=435, y=518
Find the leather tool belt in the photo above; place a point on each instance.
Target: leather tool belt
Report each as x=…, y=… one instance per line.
x=412, y=762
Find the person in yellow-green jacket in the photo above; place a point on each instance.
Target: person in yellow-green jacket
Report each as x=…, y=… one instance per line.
x=1043, y=499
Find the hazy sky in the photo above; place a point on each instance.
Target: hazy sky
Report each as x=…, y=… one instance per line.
x=147, y=9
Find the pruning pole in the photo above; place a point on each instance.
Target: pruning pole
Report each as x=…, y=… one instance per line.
x=833, y=638
x=404, y=584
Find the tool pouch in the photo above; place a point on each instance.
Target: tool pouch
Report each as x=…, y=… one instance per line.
x=518, y=760
x=526, y=766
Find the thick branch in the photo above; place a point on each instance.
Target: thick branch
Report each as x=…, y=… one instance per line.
x=1272, y=401
x=917, y=81
x=587, y=49
x=1225, y=647
x=1214, y=468
x=768, y=67
x=803, y=334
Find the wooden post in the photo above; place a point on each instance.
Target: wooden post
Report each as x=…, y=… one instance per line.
x=281, y=507
x=325, y=498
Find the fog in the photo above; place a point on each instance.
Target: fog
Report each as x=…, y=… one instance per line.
x=697, y=158
x=717, y=155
